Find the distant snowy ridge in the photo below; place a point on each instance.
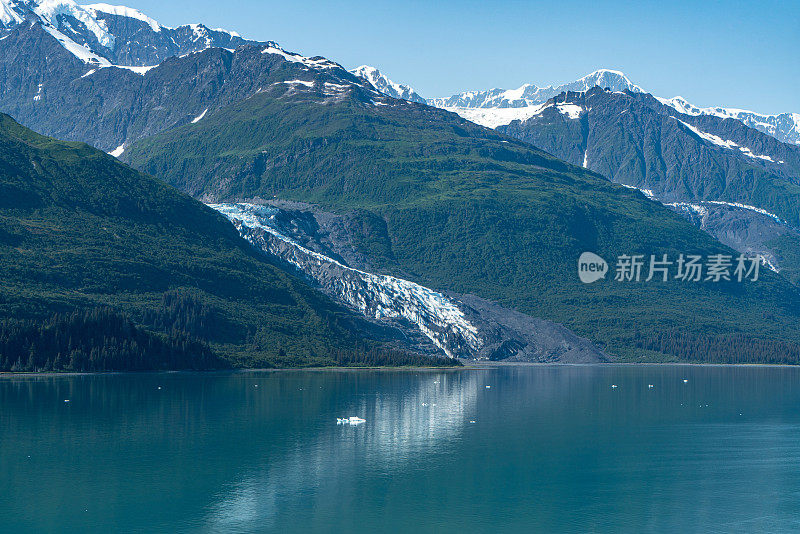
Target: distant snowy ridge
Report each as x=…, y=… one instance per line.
x=784, y=127
x=386, y=86
x=376, y=296
x=529, y=94
x=498, y=107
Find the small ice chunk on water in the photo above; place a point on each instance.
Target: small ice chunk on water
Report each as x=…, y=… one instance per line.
x=352, y=420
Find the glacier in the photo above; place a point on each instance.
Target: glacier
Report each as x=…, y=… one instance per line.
x=376, y=296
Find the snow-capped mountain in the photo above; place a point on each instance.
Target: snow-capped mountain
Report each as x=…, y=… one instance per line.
x=531, y=95
x=739, y=182
x=784, y=127
x=497, y=107
x=112, y=106
x=104, y=34
x=383, y=84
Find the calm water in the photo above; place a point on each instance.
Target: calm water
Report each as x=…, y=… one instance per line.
x=551, y=449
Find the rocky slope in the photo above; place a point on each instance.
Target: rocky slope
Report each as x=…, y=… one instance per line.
x=61, y=95
x=634, y=139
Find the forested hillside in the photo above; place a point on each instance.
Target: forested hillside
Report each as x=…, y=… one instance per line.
x=458, y=207
x=106, y=268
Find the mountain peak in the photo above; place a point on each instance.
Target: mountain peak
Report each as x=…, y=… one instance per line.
x=529, y=94
x=613, y=79
x=108, y=34
x=123, y=11
x=386, y=86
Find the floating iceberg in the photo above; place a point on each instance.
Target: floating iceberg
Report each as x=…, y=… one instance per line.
x=350, y=420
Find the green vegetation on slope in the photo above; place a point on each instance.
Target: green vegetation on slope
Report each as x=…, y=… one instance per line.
x=465, y=209
x=79, y=231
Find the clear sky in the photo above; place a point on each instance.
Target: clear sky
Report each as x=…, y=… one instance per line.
x=733, y=54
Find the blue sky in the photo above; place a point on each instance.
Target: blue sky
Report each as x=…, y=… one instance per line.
x=733, y=54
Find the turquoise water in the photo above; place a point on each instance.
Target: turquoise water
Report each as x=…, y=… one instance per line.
x=551, y=449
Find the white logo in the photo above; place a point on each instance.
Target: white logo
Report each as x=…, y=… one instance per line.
x=591, y=267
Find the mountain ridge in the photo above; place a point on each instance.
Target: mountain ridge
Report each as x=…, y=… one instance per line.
x=498, y=107
x=383, y=84
x=695, y=163
x=104, y=35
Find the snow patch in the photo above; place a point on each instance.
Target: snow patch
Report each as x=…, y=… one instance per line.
x=572, y=111
x=315, y=62
x=698, y=209
x=38, y=95
x=200, y=117
x=646, y=192
x=50, y=10
x=8, y=16
x=747, y=207
x=122, y=11
x=117, y=152
x=141, y=71
x=229, y=32
x=494, y=117
x=200, y=32
x=299, y=82
x=81, y=52
x=724, y=143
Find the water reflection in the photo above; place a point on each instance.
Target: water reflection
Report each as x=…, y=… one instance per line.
x=551, y=449
x=402, y=424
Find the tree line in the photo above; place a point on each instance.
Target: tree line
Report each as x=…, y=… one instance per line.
x=732, y=348
x=99, y=339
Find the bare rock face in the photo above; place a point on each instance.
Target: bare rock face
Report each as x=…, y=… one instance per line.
x=512, y=336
